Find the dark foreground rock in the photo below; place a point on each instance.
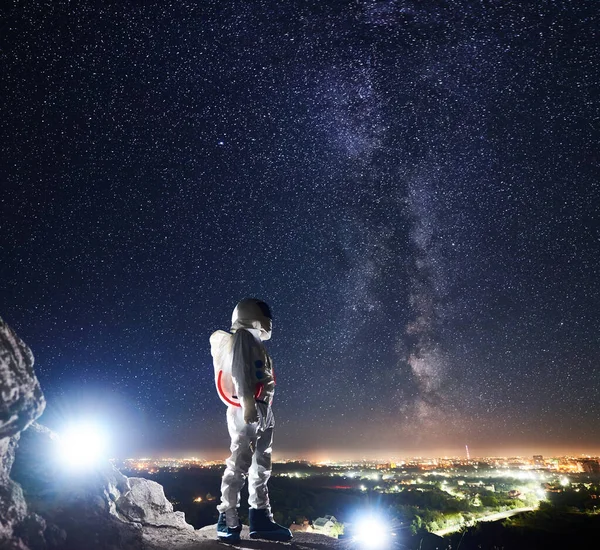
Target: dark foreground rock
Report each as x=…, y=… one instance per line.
x=301, y=541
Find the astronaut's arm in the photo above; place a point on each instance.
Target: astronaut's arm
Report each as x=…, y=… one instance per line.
x=242, y=372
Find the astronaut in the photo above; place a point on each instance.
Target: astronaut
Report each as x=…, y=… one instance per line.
x=245, y=383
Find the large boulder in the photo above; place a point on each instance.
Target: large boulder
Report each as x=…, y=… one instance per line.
x=146, y=503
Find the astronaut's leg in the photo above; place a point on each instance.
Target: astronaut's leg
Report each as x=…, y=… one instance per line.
x=243, y=440
x=260, y=470
x=262, y=525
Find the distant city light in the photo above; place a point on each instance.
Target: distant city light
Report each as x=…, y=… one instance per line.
x=517, y=483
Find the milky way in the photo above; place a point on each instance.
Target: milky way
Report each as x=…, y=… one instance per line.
x=412, y=187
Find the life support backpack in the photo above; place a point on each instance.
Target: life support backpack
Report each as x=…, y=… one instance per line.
x=259, y=371
x=221, y=348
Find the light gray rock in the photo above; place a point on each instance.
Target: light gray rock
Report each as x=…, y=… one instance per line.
x=146, y=503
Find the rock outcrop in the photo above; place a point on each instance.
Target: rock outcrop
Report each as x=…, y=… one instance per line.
x=21, y=402
x=145, y=503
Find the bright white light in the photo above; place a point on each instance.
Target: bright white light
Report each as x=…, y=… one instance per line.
x=372, y=533
x=82, y=445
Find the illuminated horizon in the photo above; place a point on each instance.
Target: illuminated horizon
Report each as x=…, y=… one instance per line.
x=325, y=456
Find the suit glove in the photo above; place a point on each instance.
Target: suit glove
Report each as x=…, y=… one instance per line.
x=250, y=414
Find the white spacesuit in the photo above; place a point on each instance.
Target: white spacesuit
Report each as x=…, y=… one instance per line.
x=245, y=383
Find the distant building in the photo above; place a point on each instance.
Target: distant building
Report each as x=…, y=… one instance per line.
x=538, y=461
x=569, y=465
x=549, y=488
x=324, y=525
x=590, y=466
x=386, y=466
x=517, y=461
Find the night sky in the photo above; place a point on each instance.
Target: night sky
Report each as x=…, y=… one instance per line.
x=412, y=186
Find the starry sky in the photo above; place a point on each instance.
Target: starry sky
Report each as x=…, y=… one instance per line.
x=412, y=186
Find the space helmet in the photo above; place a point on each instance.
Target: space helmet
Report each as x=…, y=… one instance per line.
x=253, y=313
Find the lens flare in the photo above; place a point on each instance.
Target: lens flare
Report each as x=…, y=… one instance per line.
x=372, y=532
x=82, y=445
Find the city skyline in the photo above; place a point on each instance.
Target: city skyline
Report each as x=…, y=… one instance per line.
x=391, y=457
